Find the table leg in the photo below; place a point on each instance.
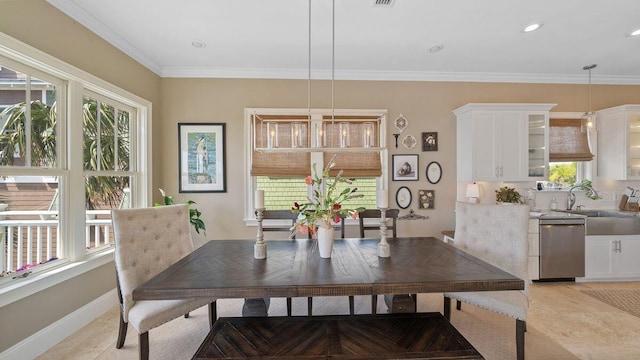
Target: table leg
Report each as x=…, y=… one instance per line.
x=400, y=303
x=256, y=307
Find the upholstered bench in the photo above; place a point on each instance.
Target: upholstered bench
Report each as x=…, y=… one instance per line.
x=384, y=336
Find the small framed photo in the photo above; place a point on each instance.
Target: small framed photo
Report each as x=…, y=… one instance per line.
x=405, y=167
x=429, y=141
x=426, y=199
x=201, y=162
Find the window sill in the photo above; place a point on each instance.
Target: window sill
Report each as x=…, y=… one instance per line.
x=21, y=288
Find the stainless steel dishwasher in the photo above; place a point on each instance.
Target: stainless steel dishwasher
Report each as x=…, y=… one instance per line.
x=562, y=248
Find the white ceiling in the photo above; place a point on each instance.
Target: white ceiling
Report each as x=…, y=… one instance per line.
x=482, y=39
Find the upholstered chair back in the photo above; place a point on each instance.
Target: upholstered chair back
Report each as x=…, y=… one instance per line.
x=497, y=234
x=147, y=241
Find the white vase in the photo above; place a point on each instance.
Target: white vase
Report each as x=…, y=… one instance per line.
x=325, y=241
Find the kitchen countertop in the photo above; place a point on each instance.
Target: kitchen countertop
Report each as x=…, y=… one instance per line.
x=550, y=214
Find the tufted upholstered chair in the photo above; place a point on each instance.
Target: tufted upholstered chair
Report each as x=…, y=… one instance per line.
x=496, y=234
x=147, y=241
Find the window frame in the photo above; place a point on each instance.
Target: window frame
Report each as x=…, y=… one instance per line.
x=316, y=156
x=75, y=83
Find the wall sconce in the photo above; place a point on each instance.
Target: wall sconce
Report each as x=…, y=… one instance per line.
x=344, y=135
x=296, y=134
x=272, y=135
x=368, y=136
x=473, y=192
x=321, y=135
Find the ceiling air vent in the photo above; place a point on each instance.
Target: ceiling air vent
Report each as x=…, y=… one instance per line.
x=383, y=3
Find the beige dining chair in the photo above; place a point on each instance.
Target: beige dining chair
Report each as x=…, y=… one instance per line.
x=497, y=234
x=404, y=302
x=147, y=241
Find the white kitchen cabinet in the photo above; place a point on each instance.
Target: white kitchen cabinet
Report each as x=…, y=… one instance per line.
x=619, y=142
x=502, y=142
x=612, y=257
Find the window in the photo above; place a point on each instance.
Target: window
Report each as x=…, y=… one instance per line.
x=284, y=143
x=569, y=151
x=62, y=130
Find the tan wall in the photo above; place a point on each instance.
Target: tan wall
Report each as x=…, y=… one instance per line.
x=40, y=25
x=427, y=106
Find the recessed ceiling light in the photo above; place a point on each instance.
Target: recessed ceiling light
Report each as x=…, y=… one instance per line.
x=635, y=32
x=198, y=44
x=531, y=27
x=435, y=48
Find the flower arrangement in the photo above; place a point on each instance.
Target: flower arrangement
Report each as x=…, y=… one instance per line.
x=325, y=206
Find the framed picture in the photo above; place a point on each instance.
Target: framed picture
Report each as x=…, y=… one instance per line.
x=405, y=167
x=403, y=197
x=426, y=199
x=429, y=141
x=434, y=172
x=202, y=157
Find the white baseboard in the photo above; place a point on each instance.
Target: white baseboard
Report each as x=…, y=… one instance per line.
x=38, y=343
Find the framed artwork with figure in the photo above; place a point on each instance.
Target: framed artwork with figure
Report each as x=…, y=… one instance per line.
x=405, y=167
x=201, y=161
x=429, y=141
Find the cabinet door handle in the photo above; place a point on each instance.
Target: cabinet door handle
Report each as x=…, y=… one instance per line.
x=500, y=171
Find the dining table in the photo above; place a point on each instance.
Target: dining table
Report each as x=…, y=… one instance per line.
x=293, y=268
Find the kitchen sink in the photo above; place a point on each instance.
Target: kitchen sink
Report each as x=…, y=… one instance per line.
x=609, y=221
x=603, y=213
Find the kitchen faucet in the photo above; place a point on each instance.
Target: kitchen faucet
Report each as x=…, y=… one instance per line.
x=571, y=197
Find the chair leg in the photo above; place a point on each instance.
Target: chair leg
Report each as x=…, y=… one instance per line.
x=309, y=305
x=288, y=306
x=520, y=329
x=122, y=332
x=447, y=308
x=213, y=313
x=351, y=305
x=374, y=304
x=458, y=304
x=143, y=340
x=415, y=301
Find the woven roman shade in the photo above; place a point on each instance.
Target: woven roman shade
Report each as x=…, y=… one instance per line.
x=355, y=164
x=292, y=163
x=567, y=141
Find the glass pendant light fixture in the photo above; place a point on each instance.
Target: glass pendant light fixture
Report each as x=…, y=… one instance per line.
x=589, y=117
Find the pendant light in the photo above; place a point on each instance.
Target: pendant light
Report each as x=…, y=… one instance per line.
x=589, y=117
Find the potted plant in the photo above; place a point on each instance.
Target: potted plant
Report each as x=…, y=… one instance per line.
x=194, y=214
x=508, y=195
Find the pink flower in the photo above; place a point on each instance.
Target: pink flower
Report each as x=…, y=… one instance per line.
x=336, y=219
x=302, y=229
x=354, y=215
x=309, y=180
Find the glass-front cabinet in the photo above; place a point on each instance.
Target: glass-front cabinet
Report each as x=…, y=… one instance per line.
x=538, y=148
x=619, y=142
x=502, y=142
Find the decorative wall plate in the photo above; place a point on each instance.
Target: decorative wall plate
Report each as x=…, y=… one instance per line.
x=401, y=123
x=434, y=172
x=409, y=141
x=403, y=197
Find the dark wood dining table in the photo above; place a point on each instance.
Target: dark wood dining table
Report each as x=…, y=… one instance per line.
x=293, y=268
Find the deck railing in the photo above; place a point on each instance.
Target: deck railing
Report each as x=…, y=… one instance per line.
x=31, y=237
